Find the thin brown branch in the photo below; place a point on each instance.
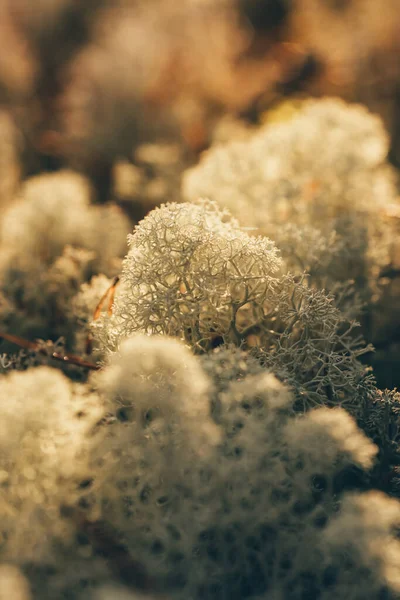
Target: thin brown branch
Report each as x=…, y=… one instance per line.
x=36, y=347
x=110, y=294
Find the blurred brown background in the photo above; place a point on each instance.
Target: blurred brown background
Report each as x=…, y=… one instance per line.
x=84, y=84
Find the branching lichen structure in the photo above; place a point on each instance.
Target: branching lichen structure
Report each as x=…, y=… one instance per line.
x=192, y=273
x=320, y=186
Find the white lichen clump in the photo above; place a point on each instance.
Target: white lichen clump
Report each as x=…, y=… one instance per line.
x=54, y=211
x=44, y=424
x=51, y=241
x=325, y=169
x=214, y=490
x=193, y=274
